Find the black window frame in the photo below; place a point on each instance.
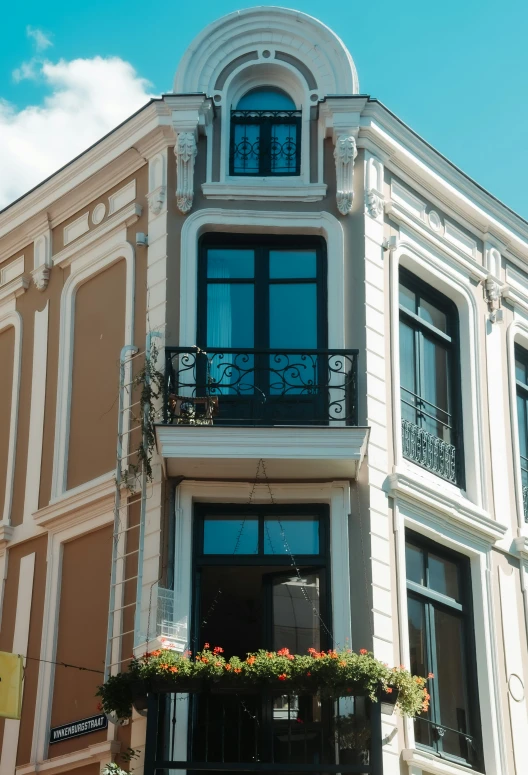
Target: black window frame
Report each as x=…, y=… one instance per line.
x=320, y=561
x=265, y=120
x=463, y=608
x=262, y=245
x=521, y=392
x=450, y=340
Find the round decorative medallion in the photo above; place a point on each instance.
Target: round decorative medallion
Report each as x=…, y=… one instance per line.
x=98, y=213
x=516, y=687
x=266, y=54
x=314, y=97
x=434, y=221
x=218, y=98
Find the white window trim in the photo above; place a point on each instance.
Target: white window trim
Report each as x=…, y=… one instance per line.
x=84, y=266
x=437, y=270
x=517, y=334
x=464, y=542
x=273, y=222
x=265, y=72
x=336, y=494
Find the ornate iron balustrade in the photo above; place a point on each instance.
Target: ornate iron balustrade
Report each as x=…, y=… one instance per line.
x=252, y=732
x=265, y=142
x=260, y=387
x=429, y=451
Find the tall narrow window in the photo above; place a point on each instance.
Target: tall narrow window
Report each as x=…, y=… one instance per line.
x=521, y=379
x=429, y=379
x=265, y=134
x=440, y=627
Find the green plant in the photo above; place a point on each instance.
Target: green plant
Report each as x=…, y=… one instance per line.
x=113, y=768
x=331, y=674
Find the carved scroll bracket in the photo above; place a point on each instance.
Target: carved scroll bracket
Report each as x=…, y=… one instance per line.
x=345, y=152
x=191, y=115
x=42, y=259
x=185, y=151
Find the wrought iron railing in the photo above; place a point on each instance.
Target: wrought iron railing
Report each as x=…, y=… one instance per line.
x=265, y=142
x=260, y=387
x=525, y=502
x=251, y=732
x=429, y=451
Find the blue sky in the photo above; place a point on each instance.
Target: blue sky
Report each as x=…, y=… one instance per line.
x=456, y=72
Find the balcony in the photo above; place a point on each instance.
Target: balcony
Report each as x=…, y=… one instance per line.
x=225, y=409
x=428, y=451
x=251, y=732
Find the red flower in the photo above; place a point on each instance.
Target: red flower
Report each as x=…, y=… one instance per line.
x=251, y=660
x=99, y=706
x=300, y=721
x=228, y=667
x=308, y=674
x=283, y=652
x=430, y=675
x=156, y=653
x=164, y=666
x=282, y=677
x=388, y=690
x=218, y=664
x=206, y=646
x=218, y=650
x=173, y=669
x=342, y=663
x=269, y=654
x=312, y=651
x=238, y=670
x=363, y=651
x=205, y=660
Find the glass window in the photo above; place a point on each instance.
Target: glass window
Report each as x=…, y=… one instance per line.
x=228, y=263
x=291, y=264
x=439, y=633
x=230, y=535
x=265, y=134
x=429, y=386
x=291, y=535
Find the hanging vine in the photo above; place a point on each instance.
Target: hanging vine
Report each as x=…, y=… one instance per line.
x=151, y=383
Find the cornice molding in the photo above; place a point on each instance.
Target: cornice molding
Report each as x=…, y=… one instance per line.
x=436, y=174
x=57, y=193
x=79, y=506
x=265, y=190
x=127, y=216
x=455, y=508
x=15, y=288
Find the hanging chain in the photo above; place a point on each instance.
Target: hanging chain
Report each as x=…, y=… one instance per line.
x=289, y=552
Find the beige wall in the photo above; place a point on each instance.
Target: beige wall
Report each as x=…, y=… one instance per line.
x=7, y=351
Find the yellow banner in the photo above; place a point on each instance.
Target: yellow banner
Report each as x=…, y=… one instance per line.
x=11, y=675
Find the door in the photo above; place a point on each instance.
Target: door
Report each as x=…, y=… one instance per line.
x=262, y=321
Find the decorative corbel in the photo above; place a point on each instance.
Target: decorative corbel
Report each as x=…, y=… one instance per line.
x=157, y=195
x=374, y=200
x=185, y=151
x=493, y=293
x=42, y=260
x=345, y=152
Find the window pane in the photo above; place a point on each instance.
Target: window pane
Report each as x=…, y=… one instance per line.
x=433, y=315
x=435, y=390
x=443, y=576
x=283, y=148
x=227, y=263
x=419, y=666
x=266, y=98
x=230, y=535
x=523, y=437
x=293, y=316
x=230, y=315
x=296, y=623
x=450, y=681
x=407, y=373
x=292, y=263
x=246, y=148
x=520, y=371
x=414, y=561
x=407, y=298
x=301, y=535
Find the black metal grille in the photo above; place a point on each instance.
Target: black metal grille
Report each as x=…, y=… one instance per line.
x=429, y=451
x=260, y=387
x=251, y=732
x=265, y=142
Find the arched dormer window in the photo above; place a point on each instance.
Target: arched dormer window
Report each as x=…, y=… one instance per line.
x=265, y=134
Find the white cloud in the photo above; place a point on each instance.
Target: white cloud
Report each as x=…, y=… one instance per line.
x=40, y=39
x=89, y=97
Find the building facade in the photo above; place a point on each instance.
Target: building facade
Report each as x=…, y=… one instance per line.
x=265, y=382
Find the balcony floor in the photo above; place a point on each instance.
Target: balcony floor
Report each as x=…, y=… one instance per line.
x=291, y=452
